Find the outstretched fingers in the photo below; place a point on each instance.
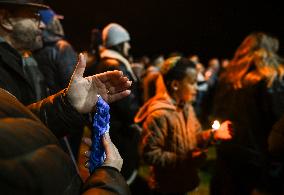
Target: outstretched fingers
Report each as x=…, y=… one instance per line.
x=119, y=95
x=109, y=75
x=122, y=84
x=114, y=81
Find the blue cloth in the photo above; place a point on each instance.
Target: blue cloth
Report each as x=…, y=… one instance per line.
x=100, y=127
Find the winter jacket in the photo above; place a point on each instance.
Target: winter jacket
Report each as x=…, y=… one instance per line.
x=32, y=162
x=12, y=76
x=253, y=110
x=242, y=164
x=276, y=140
x=52, y=113
x=57, y=61
x=170, y=134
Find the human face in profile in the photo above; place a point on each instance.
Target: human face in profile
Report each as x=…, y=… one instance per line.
x=126, y=48
x=26, y=29
x=187, y=87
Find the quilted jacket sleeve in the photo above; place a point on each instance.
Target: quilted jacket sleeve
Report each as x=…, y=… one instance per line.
x=106, y=181
x=58, y=114
x=154, y=141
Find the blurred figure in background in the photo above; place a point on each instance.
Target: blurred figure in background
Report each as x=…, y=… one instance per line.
x=224, y=63
x=212, y=72
x=202, y=87
x=211, y=77
x=94, y=51
x=149, y=78
x=57, y=58
x=250, y=93
x=138, y=67
x=194, y=58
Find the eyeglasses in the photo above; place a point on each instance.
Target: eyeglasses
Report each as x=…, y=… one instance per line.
x=25, y=13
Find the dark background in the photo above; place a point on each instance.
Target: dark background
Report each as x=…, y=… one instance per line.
x=206, y=27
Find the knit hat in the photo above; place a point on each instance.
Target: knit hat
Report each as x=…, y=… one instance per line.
x=114, y=34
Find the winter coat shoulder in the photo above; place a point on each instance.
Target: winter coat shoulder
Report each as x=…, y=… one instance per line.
x=32, y=161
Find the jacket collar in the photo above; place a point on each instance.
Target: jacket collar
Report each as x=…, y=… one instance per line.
x=107, y=53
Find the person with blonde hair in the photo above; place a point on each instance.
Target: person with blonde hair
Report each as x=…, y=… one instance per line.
x=250, y=94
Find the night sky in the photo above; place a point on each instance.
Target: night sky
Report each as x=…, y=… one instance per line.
x=206, y=27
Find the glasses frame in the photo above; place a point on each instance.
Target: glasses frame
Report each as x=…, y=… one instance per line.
x=25, y=14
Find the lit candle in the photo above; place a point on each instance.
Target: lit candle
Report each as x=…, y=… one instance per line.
x=216, y=125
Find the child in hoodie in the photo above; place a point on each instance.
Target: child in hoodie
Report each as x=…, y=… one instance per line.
x=172, y=134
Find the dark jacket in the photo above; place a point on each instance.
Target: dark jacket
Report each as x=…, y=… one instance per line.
x=32, y=161
x=57, y=61
x=275, y=173
x=253, y=109
x=122, y=113
x=12, y=76
x=14, y=80
x=276, y=140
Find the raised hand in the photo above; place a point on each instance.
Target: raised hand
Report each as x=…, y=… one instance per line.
x=82, y=91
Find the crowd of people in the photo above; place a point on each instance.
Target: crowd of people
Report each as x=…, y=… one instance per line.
x=161, y=112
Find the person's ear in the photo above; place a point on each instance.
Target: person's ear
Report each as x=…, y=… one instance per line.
x=5, y=23
x=174, y=85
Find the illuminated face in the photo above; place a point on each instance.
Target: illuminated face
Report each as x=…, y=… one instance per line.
x=26, y=30
x=187, y=87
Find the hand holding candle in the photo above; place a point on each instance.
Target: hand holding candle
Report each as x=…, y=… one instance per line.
x=216, y=125
x=223, y=131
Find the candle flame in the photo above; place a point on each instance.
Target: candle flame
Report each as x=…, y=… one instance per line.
x=216, y=125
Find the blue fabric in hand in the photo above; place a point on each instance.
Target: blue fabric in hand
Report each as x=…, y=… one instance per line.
x=100, y=127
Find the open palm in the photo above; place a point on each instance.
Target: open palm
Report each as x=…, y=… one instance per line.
x=82, y=91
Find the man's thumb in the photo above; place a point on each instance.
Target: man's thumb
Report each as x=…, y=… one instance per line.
x=80, y=67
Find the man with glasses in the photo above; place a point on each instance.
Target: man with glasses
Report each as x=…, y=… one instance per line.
x=20, y=34
x=25, y=26
x=31, y=161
